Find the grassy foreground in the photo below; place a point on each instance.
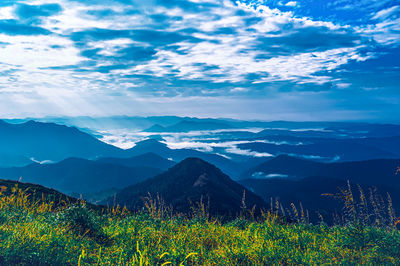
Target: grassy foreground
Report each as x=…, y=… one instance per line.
x=34, y=233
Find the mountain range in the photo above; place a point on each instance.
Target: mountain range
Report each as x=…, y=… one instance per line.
x=22, y=144
x=76, y=161
x=187, y=126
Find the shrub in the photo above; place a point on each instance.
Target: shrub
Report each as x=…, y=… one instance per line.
x=83, y=221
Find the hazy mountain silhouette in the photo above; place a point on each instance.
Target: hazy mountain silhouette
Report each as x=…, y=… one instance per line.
x=186, y=184
x=341, y=150
x=371, y=172
x=156, y=128
x=7, y=159
x=80, y=175
x=190, y=125
x=48, y=141
x=148, y=159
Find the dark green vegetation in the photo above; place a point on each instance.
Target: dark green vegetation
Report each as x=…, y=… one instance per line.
x=37, y=233
x=35, y=192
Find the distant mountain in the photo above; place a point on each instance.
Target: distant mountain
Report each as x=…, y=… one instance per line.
x=190, y=125
x=187, y=183
x=309, y=133
x=7, y=159
x=133, y=122
x=308, y=192
x=329, y=149
x=368, y=130
x=388, y=144
x=156, y=128
x=49, y=142
x=371, y=172
x=80, y=175
x=330, y=130
x=283, y=165
x=150, y=145
x=148, y=159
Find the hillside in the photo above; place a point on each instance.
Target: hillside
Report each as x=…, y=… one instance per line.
x=189, y=182
x=35, y=192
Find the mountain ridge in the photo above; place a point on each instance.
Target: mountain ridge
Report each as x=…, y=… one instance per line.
x=79, y=175
x=362, y=172
x=190, y=181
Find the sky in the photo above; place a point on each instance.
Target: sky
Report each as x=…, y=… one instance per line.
x=256, y=59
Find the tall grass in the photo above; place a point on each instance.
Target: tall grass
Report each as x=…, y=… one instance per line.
x=37, y=233
x=365, y=209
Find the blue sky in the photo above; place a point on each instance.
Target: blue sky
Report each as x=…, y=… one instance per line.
x=270, y=60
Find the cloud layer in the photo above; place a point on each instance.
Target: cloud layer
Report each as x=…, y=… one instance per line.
x=105, y=57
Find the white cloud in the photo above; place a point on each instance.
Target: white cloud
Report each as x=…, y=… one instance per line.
x=239, y=89
x=387, y=30
x=110, y=47
x=34, y=52
x=343, y=85
x=385, y=13
x=7, y=12
x=291, y=4
x=33, y=84
x=262, y=175
x=235, y=150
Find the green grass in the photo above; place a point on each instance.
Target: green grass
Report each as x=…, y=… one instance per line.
x=34, y=233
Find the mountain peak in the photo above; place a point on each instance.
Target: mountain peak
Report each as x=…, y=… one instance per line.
x=194, y=161
x=188, y=182
x=194, y=169
x=155, y=128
